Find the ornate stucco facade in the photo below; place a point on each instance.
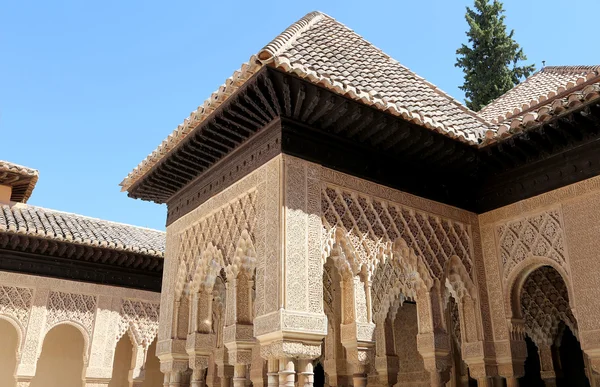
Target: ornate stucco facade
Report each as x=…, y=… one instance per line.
x=334, y=219
x=310, y=265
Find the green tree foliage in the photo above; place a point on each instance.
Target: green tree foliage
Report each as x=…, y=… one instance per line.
x=491, y=60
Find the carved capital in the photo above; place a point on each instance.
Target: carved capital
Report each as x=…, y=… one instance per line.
x=200, y=343
x=291, y=349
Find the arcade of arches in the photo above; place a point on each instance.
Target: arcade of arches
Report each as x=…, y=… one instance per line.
x=63, y=333
x=298, y=275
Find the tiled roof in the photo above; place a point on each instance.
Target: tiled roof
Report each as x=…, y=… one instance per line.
x=542, y=86
x=65, y=227
x=568, y=97
x=20, y=178
x=324, y=51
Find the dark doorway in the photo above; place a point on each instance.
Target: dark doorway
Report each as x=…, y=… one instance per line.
x=319, y=376
x=571, y=360
x=532, y=375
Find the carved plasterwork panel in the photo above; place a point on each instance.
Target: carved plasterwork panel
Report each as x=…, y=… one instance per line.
x=544, y=304
x=71, y=307
x=222, y=228
x=390, y=279
x=16, y=302
x=372, y=225
x=141, y=319
x=535, y=235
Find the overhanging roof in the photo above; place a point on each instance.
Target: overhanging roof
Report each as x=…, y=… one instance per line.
x=327, y=53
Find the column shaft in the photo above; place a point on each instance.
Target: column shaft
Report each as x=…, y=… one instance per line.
x=286, y=372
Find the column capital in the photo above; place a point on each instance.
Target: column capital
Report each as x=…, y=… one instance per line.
x=287, y=333
x=306, y=349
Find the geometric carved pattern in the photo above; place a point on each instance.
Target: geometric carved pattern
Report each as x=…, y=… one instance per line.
x=16, y=302
x=539, y=235
x=391, y=278
x=222, y=228
x=142, y=318
x=328, y=290
x=372, y=225
x=71, y=307
x=545, y=303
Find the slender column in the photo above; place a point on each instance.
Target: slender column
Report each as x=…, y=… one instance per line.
x=176, y=379
x=307, y=375
x=484, y=382
x=286, y=372
x=272, y=375
x=239, y=375
x=512, y=381
x=547, y=365
x=166, y=379
x=198, y=378
x=137, y=371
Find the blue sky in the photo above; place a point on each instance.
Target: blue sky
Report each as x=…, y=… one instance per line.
x=89, y=88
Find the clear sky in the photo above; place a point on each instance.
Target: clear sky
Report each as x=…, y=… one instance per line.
x=89, y=88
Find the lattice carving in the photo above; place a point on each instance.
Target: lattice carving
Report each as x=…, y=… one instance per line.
x=538, y=235
x=545, y=303
x=390, y=279
x=222, y=228
x=71, y=307
x=141, y=319
x=372, y=225
x=16, y=302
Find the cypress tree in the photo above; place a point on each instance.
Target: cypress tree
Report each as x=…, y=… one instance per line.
x=491, y=60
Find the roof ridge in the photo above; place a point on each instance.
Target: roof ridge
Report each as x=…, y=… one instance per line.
x=570, y=68
x=25, y=205
x=287, y=38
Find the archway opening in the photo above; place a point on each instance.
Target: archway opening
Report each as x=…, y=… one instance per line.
x=61, y=362
x=550, y=324
x=411, y=368
x=153, y=376
x=533, y=369
x=9, y=341
x=122, y=363
x=572, y=366
x=319, y=377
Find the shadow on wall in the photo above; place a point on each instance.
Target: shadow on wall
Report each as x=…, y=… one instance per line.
x=61, y=362
x=8, y=353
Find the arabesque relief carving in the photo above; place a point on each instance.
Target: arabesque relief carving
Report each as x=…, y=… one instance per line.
x=538, y=235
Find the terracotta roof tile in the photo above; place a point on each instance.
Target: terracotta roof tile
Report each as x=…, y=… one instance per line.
x=325, y=52
x=566, y=98
x=62, y=226
x=535, y=90
x=20, y=178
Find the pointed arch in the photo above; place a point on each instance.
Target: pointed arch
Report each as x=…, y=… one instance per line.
x=180, y=279
x=208, y=268
x=343, y=255
x=461, y=287
x=457, y=280
x=244, y=259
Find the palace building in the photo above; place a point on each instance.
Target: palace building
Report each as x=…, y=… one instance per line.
x=333, y=220
x=79, y=297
